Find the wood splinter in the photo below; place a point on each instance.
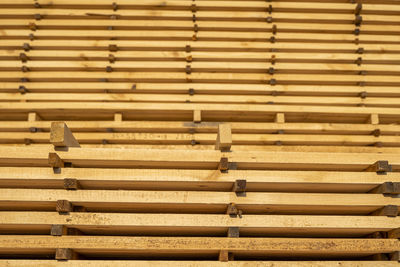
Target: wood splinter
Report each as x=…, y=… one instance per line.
x=61, y=136
x=224, y=137
x=65, y=254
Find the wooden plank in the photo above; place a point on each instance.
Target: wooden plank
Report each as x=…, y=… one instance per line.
x=76, y=263
x=195, y=202
x=88, y=263
x=198, y=180
x=209, y=127
x=208, y=139
x=197, y=224
x=206, y=159
x=96, y=245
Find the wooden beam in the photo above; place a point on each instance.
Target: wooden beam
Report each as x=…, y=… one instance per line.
x=61, y=135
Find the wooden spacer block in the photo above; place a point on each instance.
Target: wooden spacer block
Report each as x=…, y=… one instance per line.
x=377, y=235
x=239, y=187
x=61, y=135
x=118, y=117
x=64, y=254
x=280, y=118
x=196, y=116
x=395, y=256
x=379, y=257
x=380, y=167
x=389, y=188
x=233, y=232
x=223, y=164
x=225, y=256
x=233, y=211
x=71, y=184
x=55, y=161
x=33, y=116
x=224, y=137
x=373, y=119
x=394, y=234
x=58, y=230
x=389, y=210
x=64, y=206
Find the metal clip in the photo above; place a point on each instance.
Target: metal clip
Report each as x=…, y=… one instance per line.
x=37, y=17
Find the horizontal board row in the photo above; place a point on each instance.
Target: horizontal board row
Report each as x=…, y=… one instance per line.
x=198, y=224
x=184, y=111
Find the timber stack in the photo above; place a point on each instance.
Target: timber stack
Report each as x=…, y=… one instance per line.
x=199, y=133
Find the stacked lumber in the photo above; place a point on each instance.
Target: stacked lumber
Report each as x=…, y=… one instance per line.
x=199, y=133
